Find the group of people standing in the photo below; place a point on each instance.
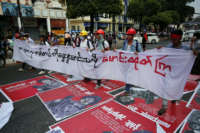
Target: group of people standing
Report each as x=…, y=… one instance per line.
x=98, y=42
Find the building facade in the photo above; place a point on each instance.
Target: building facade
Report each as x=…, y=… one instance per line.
x=38, y=18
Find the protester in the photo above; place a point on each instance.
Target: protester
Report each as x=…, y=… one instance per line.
x=67, y=39
x=85, y=43
x=3, y=53
x=110, y=40
x=101, y=45
x=77, y=41
x=144, y=39
x=131, y=45
x=195, y=44
x=176, y=36
x=43, y=41
x=22, y=38
x=28, y=38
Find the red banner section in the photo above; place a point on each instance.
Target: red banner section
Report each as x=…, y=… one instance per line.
x=63, y=77
x=190, y=85
x=111, y=117
x=28, y=88
x=72, y=99
x=192, y=123
x=147, y=104
x=194, y=101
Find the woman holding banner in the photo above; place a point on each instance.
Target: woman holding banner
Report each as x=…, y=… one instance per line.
x=131, y=45
x=101, y=45
x=176, y=36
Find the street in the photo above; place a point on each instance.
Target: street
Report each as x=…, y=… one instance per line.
x=30, y=115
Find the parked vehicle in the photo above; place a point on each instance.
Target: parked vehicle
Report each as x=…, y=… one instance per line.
x=187, y=35
x=152, y=38
x=138, y=38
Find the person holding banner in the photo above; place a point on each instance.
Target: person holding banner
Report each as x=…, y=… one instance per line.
x=101, y=45
x=43, y=41
x=195, y=43
x=131, y=45
x=22, y=37
x=85, y=43
x=176, y=36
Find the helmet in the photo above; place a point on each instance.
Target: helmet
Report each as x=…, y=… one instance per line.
x=83, y=33
x=131, y=31
x=100, y=31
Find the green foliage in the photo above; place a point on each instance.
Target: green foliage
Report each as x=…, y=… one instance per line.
x=77, y=8
x=161, y=12
x=136, y=9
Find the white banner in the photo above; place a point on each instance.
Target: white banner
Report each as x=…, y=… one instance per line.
x=162, y=71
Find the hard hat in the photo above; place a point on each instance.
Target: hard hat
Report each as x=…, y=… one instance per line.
x=131, y=31
x=83, y=33
x=100, y=31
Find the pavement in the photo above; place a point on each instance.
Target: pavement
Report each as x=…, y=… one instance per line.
x=30, y=115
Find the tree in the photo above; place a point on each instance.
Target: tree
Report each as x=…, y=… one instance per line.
x=78, y=8
x=155, y=11
x=180, y=6
x=138, y=9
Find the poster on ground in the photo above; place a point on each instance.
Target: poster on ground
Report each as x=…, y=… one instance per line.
x=192, y=123
x=148, y=104
x=194, y=101
x=106, y=85
x=190, y=86
x=69, y=79
x=110, y=117
x=28, y=88
x=72, y=99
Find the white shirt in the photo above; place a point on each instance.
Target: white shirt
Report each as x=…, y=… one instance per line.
x=129, y=48
x=84, y=44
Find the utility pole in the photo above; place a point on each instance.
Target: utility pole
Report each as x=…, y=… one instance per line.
x=67, y=20
x=19, y=17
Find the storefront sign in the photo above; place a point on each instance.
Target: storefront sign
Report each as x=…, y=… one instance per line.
x=1, y=12
x=27, y=11
x=9, y=9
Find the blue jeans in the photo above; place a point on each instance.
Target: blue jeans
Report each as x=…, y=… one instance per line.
x=127, y=87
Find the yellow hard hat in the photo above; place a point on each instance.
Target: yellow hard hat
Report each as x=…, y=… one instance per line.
x=83, y=33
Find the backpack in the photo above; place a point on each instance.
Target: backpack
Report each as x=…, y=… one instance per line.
x=136, y=48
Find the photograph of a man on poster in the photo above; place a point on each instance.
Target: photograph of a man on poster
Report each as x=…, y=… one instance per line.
x=148, y=96
x=197, y=97
x=48, y=84
x=193, y=122
x=67, y=106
